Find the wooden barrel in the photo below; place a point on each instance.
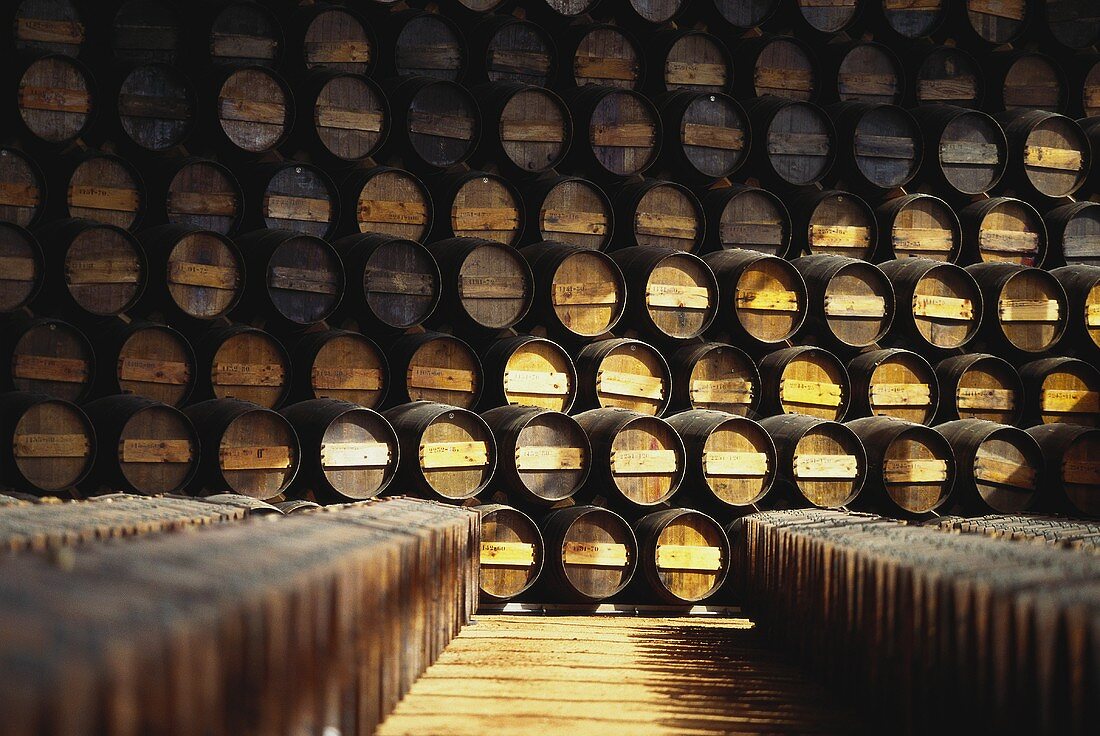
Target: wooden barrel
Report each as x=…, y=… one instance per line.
x=716, y=376
x=910, y=467
x=763, y=296
x=780, y=66
x=979, y=386
x=567, y=209
x=22, y=188
x=966, y=150
x=530, y=371
x=245, y=32
x=511, y=554
x=447, y=453
x=804, y=380
x=392, y=283
x=918, y=226
x=477, y=204
x=559, y=9
x=253, y=110
x=242, y=362
x=23, y=267
x=1073, y=472
x=648, y=13
x=849, y=301
x=1025, y=308
x=1002, y=230
x=47, y=445
x=291, y=195
x=504, y=48
x=95, y=268
x=544, y=455
x=818, y=461
x=431, y=366
x=741, y=15
x=298, y=278
x=996, y=23
x=47, y=356
x=684, y=555
x=731, y=462
x=795, y=143
x=618, y=131
x=945, y=75
x=155, y=107
x=55, y=100
x=1049, y=154
x=893, y=383
x=527, y=128
x=1087, y=101
x=54, y=26
x=938, y=305
x=336, y=37
x=824, y=18
x=741, y=217
x=100, y=187
x=1061, y=390
x=340, y=365
x=194, y=274
x=145, y=359
x=673, y=295
x=911, y=20
x=198, y=192
x=1000, y=468
x=144, y=446
x=832, y=222
x=487, y=286
x=436, y=122
x=706, y=134
x=1026, y=80
x=1073, y=231
x=688, y=59
x=637, y=459
x=247, y=449
x=422, y=43
x=652, y=212
x=349, y=452
x=603, y=54
x=863, y=71
x=1082, y=285
x=886, y=149
x=1072, y=23
x=143, y=32
x=622, y=373
x=591, y=553
x=385, y=200
x=341, y=116
x=579, y=293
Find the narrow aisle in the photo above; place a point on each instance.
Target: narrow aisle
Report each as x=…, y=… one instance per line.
x=614, y=675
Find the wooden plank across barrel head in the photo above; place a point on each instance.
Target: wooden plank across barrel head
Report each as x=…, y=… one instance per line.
x=254, y=112
x=247, y=449
x=504, y=48
x=742, y=217
x=22, y=188
x=422, y=43
x=1026, y=80
x=653, y=212
x=1000, y=468
x=392, y=283
x=47, y=356
x=600, y=53
x=199, y=192
x=334, y=37
x=242, y=362
x=1061, y=390
x=893, y=383
x=706, y=134
x=637, y=459
x=511, y=553
x=55, y=98
x=795, y=143
x=623, y=373
x=447, y=453
x=689, y=59
x=938, y=305
x=1074, y=233
x=54, y=26
x=591, y=553
x=731, y=461
x=863, y=71
x=529, y=371
x=684, y=555
x=349, y=452
x=945, y=75
x=527, y=128
x=245, y=32
x=145, y=446
x=850, y=302
x=1002, y=230
x=717, y=376
x=979, y=386
x=432, y=366
x=143, y=32
x=339, y=365
x=342, y=116
x=22, y=267
x=145, y=359
x=804, y=380
x=910, y=467
x=156, y=107
x=1025, y=308
x=886, y=148
x=1071, y=454
x=775, y=66
x=195, y=274
x=1082, y=285
x=966, y=150
x=1049, y=154
x=436, y=122
x=487, y=286
x=298, y=278
x=918, y=226
x=763, y=297
x=567, y=209
x=818, y=461
x=544, y=455
x=477, y=204
x=95, y=269
x=579, y=293
x=47, y=444
x=101, y=187
x=833, y=222
x=673, y=294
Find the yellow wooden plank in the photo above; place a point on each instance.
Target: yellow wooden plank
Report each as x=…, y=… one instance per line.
x=54, y=99
x=49, y=30
x=677, y=296
x=90, y=197
x=591, y=554
x=644, y=462
x=839, y=236
x=1092, y=315
x=901, y=394
x=157, y=451
x=630, y=384
x=943, y=307
x=1028, y=310
x=548, y=383
x=985, y=398
x=915, y=471
x=531, y=131
x=500, y=219
x=397, y=213
x=436, y=455
x=826, y=467
x=851, y=305
x=507, y=554
x=14, y=194
x=662, y=224
x=1061, y=159
x=255, y=458
x=1008, y=241
x=730, y=463
x=542, y=457
x=1003, y=472
x=723, y=390
x=184, y=273
x=1070, y=401
x=768, y=300
x=588, y=293
x=49, y=368
x=689, y=557
x=963, y=87
x=345, y=51
x=810, y=392
x=203, y=203
x=355, y=455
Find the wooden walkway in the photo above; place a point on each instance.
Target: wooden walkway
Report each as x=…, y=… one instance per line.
x=610, y=675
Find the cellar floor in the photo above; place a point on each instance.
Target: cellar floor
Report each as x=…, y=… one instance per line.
x=614, y=675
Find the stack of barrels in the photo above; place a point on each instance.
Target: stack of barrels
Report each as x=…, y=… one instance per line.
x=615, y=272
